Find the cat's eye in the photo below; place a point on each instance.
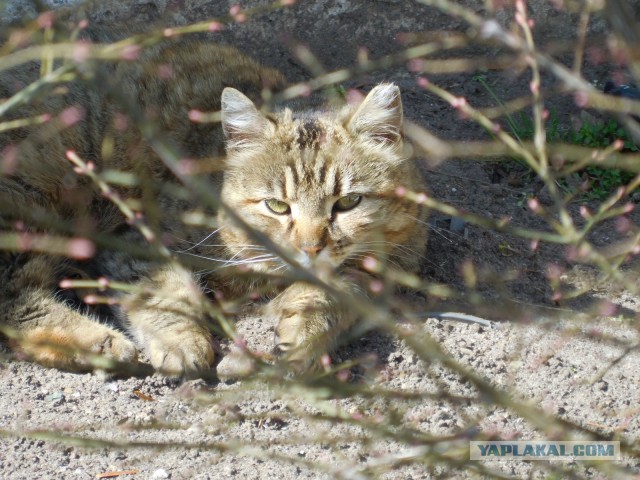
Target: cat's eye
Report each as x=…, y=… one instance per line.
x=277, y=206
x=347, y=202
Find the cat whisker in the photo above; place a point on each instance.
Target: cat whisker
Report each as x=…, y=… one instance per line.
x=195, y=245
x=438, y=230
x=231, y=262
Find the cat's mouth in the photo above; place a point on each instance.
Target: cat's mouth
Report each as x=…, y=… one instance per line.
x=321, y=263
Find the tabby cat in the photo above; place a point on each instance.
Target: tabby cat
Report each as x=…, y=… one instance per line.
x=321, y=185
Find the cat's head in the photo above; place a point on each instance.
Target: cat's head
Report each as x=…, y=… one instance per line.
x=322, y=185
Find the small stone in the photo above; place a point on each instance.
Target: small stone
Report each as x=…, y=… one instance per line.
x=160, y=474
x=57, y=398
x=111, y=387
x=236, y=364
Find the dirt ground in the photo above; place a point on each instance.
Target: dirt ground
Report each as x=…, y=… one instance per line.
x=581, y=366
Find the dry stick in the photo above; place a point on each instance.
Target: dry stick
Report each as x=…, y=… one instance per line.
x=29, y=93
x=118, y=50
x=88, y=169
x=24, y=122
x=437, y=149
x=582, y=36
x=492, y=29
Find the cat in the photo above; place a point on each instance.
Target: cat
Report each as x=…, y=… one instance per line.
x=319, y=184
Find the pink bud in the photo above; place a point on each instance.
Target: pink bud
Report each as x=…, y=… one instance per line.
x=371, y=264
x=423, y=82
x=186, y=166
x=415, y=65
x=354, y=96
x=584, y=212
x=9, y=160
x=165, y=72
x=195, y=115
x=535, y=87
x=553, y=272
x=81, y=51
x=400, y=192
x=131, y=52
x=71, y=116
x=458, y=102
x=81, y=248
x=215, y=26
x=120, y=122
x=623, y=224
x=45, y=20
x=241, y=342
x=25, y=242
x=376, y=286
x=325, y=361
x=581, y=99
x=90, y=299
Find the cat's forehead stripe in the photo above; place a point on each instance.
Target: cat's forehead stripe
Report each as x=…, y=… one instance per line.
x=290, y=181
x=311, y=134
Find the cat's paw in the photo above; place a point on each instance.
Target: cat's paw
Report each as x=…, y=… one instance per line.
x=295, y=340
x=182, y=353
x=115, y=345
x=74, y=350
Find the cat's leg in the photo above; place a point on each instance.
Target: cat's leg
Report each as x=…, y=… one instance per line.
x=45, y=328
x=168, y=320
x=309, y=321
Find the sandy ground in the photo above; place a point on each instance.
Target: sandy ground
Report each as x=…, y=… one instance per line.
x=579, y=366
x=222, y=430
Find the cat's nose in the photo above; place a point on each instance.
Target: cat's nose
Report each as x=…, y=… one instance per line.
x=311, y=250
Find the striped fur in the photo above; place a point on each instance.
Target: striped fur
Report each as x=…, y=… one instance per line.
x=332, y=175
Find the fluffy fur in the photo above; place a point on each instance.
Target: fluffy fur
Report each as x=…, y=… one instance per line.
x=320, y=184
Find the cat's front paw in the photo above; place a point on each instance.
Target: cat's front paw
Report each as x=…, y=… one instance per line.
x=58, y=347
x=182, y=353
x=301, y=340
x=115, y=345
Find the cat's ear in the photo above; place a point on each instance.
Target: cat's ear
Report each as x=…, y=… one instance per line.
x=242, y=123
x=379, y=116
